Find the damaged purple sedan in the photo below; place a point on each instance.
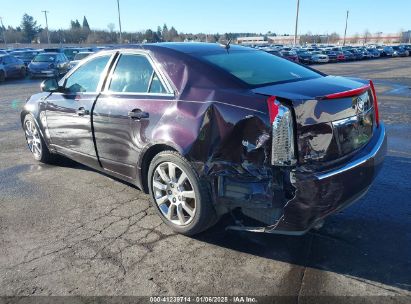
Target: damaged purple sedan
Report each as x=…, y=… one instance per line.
x=209, y=129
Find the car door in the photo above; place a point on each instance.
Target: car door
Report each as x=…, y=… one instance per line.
x=68, y=112
x=135, y=99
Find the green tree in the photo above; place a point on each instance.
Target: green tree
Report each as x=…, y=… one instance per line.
x=75, y=25
x=164, y=33
x=85, y=24
x=29, y=28
x=159, y=34
x=172, y=34
x=151, y=36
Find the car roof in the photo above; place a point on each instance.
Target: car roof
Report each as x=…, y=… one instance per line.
x=186, y=47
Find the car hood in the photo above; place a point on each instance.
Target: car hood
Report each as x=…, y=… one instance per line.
x=40, y=65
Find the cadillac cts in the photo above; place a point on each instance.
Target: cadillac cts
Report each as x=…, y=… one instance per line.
x=208, y=129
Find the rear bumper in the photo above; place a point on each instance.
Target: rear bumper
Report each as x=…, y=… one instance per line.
x=317, y=195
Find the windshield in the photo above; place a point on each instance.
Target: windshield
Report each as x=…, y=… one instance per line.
x=258, y=68
x=45, y=58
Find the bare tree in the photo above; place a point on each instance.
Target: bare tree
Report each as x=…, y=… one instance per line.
x=111, y=26
x=366, y=35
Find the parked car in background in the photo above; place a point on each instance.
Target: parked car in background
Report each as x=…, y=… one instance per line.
x=318, y=57
x=365, y=53
x=78, y=57
x=400, y=51
x=407, y=47
x=274, y=52
x=332, y=55
x=340, y=56
x=304, y=56
x=290, y=55
x=54, y=50
x=358, y=55
x=72, y=52
x=233, y=131
x=26, y=56
x=348, y=56
x=49, y=65
x=374, y=53
x=11, y=67
x=386, y=51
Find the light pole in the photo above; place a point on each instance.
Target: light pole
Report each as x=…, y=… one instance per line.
x=119, y=18
x=47, y=26
x=345, y=32
x=296, y=22
x=4, y=31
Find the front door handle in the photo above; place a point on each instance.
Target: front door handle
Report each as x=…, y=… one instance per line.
x=81, y=112
x=138, y=114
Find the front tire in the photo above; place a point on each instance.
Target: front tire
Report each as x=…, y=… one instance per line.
x=35, y=141
x=2, y=76
x=182, y=199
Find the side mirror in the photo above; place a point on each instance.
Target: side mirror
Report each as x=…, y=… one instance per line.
x=50, y=85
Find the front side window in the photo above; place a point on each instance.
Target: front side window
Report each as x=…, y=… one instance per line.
x=134, y=74
x=258, y=68
x=87, y=76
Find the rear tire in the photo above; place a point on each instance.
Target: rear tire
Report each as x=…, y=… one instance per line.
x=182, y=199
x=2, y=76
x=35, y=141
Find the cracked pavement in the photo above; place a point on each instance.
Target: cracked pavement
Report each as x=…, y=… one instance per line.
x=68, y=230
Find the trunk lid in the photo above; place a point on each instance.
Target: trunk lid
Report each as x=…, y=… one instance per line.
x=334, y=116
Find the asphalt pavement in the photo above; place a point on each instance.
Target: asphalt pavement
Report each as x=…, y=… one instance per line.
x=68, y=230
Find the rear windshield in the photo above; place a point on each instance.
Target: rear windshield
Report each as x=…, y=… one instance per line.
x=259, y=68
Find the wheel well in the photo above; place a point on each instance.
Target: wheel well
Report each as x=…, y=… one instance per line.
x=147, y=158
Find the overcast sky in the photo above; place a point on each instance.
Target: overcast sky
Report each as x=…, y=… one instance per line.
x=211, y=16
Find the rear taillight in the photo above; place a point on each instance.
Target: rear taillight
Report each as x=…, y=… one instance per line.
x=281, y=119
x=272, y=108
x=374, y=98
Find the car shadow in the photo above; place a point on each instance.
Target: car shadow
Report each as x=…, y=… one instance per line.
x=370, y=240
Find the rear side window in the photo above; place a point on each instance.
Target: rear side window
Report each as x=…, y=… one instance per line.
x=134, y=74
x=259, y=68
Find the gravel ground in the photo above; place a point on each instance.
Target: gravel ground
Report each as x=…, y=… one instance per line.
x=67, y=230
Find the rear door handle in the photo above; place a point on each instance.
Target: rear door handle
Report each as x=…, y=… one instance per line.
x=138, y=114
x=81, y=112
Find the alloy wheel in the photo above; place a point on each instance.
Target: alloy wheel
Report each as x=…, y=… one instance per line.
x=33, y=138
x=174, y=193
